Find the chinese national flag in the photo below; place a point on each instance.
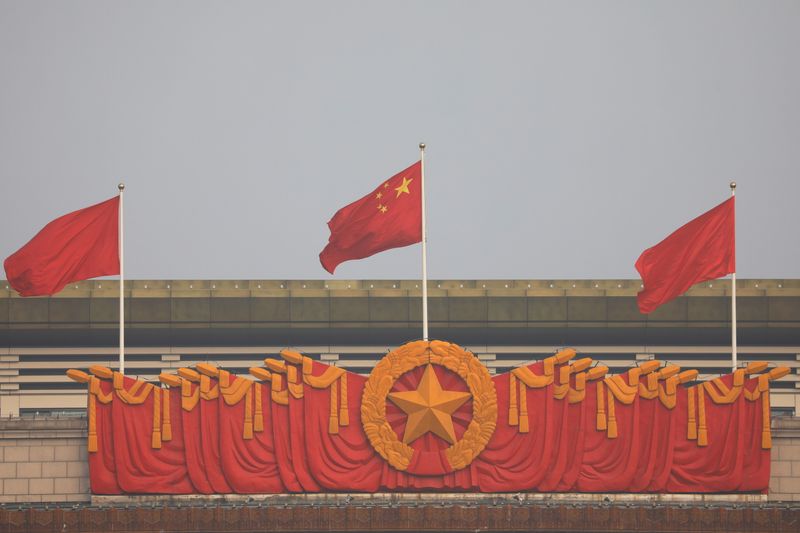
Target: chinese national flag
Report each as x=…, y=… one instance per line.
x=388, y=217
x=81, y=245
x=701, y=250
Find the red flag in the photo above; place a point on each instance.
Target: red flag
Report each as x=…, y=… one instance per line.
x=388, y=217
x=81, y=245
x=701, y=250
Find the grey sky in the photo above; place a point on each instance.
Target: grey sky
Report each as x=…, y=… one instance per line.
x=564, y=137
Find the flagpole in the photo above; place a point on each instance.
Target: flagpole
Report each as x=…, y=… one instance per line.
x=733, y=289
x=121, y=188
x=424, y=246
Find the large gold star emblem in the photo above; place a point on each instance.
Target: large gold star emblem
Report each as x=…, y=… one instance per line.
x=403, y=188
x=429, y=408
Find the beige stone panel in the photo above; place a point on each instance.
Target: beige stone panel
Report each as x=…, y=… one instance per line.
x=55, y=469
x=42, y=453
x=29, y=498
x=41, y=486
x=29, y=470
x=789, y=485
x=15, y=486
x=781, y=469
x=16, y=454
x=67, y=453
x=68, y=485
x=789, y=452
x=8, y=470
x=77, y=469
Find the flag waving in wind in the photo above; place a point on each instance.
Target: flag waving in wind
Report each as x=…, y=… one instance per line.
x=388, y=217
x=702, y=249
x=80, y=245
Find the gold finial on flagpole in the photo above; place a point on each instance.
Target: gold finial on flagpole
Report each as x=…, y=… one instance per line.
x=421, y=146
x=733, y=185
x=121, y=186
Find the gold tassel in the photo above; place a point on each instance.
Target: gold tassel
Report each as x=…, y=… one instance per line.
x=344, y=414
x=92, y=444
x=333, y=422
x=702, y=431
x=602, y=424
x=523, y=408
x=691, y=430
x=156, y=441
x=766, y=434
x=248, y=414
x=612, y=418
x=166, y=426
x=513, y=410
x=119, y=381
x=258, y=421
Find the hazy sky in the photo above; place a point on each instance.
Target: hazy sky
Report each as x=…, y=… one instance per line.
x=563, y=138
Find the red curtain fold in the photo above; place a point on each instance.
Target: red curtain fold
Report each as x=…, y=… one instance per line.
x=756, y=471
x=512, y=460
x=250, y=465
x=300, y=449
x=193, y=443
x=344, y=461
x=139, y=467
x=102, y=463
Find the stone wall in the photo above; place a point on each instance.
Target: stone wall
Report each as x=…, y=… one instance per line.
x=785, y=475
x=45, y=460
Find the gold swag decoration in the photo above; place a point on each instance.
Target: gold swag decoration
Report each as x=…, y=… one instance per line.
x=407, y=358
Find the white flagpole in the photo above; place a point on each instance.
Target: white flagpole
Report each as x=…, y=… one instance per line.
x=733, y=290
x=424, y=247
x=121, y=188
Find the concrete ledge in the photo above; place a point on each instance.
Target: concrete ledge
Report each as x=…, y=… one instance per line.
x=426, y=498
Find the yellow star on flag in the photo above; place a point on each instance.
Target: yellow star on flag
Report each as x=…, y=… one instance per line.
x=429, y=408
x=403, y=188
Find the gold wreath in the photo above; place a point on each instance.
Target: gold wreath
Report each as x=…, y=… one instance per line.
x=408, y=357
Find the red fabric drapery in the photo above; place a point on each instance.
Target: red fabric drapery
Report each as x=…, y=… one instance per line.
x=561, y=426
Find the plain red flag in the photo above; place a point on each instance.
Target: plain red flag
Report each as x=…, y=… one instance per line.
x=701, y=250
x=81, y=245
x=388, y=217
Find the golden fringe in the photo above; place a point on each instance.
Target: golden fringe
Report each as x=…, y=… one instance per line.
x=136, y=395
x=691, y=430
x=279, y=394
x=333, y=422
x=247, y=434
x=295, y=384
x=207, y=392
x=612, y=417
x=766, y=435
x=92, y=444
x=602, y=424
x=331, y=374
x=233, y=394
x=258, y=421
x=156, y=440
x=513, y=410
x=532, y=380
x=702, y=430
x=166, y=426
x=189, y=398
x=344, y=413
x=523, y=408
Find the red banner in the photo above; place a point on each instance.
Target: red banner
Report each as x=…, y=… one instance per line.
x=554, y=425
